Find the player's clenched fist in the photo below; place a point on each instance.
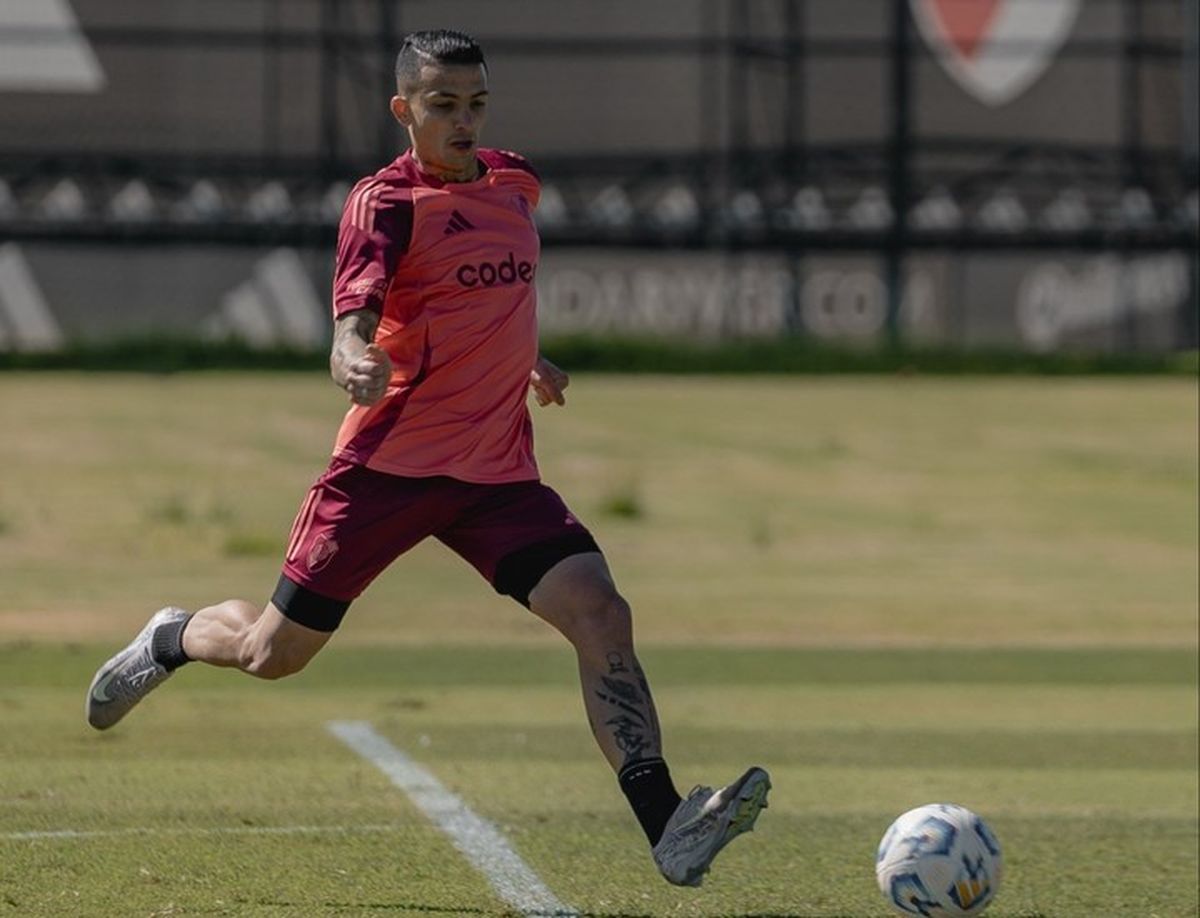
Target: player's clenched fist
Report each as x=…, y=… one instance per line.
x=367, y=379
x=548, y=383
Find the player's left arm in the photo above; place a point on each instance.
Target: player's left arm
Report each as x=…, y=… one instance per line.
x=548, y=382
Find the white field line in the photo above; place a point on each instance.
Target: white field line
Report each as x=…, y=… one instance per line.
x=211, y=830
x=478, y=840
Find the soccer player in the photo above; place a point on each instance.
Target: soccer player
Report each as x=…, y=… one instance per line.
x=435, y=343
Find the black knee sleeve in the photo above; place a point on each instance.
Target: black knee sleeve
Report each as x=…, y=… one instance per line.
x=519, y=572
x=304, y=607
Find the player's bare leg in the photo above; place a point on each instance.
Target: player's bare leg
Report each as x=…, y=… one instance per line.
x=235, y=633
x=260, y=642
x=577, y=596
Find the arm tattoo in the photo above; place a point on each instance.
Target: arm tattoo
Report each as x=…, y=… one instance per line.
x=351, y=334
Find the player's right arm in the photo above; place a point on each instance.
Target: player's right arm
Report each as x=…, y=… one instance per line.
x=374, y=233
x=356, y=363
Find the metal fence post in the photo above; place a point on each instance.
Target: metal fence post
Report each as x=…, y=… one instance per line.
x=795, y=140
x=330, y=20
x=900, y=149
x=385, y=137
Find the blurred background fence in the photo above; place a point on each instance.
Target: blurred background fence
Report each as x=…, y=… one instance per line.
x=958, y=174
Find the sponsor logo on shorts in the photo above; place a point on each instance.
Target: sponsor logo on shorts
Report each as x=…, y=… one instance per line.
x=321, y=553
x=490, y=274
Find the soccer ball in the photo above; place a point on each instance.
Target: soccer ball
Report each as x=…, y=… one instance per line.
x=939, y=860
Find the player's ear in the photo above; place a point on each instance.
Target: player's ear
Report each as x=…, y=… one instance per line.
x=401, y=111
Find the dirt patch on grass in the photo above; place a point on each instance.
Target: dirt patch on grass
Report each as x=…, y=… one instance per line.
x=65, y=625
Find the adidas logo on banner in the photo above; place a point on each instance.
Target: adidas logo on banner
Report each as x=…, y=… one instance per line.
x=43, y=49
x=457, y=224
x=277, y=305
x=26, y=323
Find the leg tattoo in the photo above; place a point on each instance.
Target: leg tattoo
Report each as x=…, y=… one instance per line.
x=616, y=664
x=622, y=712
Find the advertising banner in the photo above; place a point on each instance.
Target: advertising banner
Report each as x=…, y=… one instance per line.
x=51, y=294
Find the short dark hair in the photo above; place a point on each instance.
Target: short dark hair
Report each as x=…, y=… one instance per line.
x=442, y=46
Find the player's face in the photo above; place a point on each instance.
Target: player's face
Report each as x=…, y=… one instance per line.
x=444, y=113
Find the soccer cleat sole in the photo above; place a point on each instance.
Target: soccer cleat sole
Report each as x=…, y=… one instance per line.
x=750, y=799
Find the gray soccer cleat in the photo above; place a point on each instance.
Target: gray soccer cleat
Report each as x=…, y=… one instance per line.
x=129, y=676
x=705, y=822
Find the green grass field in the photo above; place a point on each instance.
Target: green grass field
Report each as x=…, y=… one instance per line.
x=888, y=591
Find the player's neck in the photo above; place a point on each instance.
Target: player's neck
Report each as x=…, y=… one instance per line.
x=445, y=174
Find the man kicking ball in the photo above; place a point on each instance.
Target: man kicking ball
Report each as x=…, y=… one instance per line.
x=435, y=342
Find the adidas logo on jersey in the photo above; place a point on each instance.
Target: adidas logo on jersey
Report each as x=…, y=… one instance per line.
x=457, y=224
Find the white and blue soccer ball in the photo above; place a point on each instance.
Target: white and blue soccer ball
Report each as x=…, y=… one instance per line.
x=937, y=861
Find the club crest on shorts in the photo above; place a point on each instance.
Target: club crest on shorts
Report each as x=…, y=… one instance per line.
x=995, y=49
x=322, y=552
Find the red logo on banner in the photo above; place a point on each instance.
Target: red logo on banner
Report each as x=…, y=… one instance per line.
x=995, y=49
x=965, y=24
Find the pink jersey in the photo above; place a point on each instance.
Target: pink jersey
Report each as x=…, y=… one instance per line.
x=450, y=269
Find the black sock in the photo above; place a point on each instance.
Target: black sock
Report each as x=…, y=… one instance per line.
x=166, y=646
x=648, y=787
